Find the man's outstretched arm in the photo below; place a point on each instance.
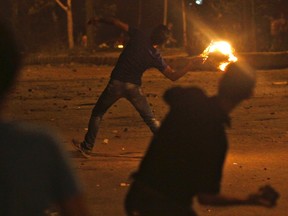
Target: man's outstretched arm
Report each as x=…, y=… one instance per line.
x=109, y=20
x=266, y=196
x=177, y=72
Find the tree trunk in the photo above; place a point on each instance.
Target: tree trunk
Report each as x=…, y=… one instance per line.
x=184, y=24
x=249, y=25
x=165, y=12
x=139, y=13
x=70, y=25
x=14, y=17
x=90, y=30
x=68, y=10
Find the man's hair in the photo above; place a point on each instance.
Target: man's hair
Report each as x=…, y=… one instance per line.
x=159, y=35
x=9, y=59
x=237, y=83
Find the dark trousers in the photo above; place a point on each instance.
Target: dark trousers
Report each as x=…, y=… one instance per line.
x=142, y=200
x=113, y=92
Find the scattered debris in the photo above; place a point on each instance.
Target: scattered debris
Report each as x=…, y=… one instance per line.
x=124, y=184
x=105, y=141
x=248, y=107
x=116, y=132
x=280, y=83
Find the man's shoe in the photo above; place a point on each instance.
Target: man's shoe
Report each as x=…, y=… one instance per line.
x=81, y=148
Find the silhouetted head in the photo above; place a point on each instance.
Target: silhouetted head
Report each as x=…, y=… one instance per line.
x=159, y=35
x=9, y=59
x=237, y=83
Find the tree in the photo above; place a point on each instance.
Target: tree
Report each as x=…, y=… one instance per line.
x=40, y=4
x=184, y=23
x=68, y=9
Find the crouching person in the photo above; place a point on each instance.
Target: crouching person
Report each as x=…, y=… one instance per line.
x=185, y=158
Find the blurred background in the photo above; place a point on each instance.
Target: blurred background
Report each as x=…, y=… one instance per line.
x=60, y=25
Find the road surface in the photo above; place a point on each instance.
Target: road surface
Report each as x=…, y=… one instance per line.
x=61, y=98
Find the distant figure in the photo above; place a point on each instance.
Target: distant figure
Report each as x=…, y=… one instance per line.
x=278, y=30
x=171, y=41
x=84, y=41
x=139, y=54
x=186, y=156
x=34, y=174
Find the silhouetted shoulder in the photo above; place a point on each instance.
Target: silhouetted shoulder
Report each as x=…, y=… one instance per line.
x=180, y=96
x=24, y=135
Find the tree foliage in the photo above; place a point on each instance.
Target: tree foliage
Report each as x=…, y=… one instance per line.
x=43, y=23
x=39, y=5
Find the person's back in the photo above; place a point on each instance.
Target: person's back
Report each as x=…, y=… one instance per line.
x=137, y=56
x=34, y=172
x=177, y=155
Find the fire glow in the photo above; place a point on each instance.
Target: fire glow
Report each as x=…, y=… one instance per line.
x=223, y=48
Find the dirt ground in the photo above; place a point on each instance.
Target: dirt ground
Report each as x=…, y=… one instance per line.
x=61, y=98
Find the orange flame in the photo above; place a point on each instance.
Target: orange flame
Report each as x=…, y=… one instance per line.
x=223, y=48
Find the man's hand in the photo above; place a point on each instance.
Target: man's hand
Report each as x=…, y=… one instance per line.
x=194, y=62
x=266, y=196
x=197, y=60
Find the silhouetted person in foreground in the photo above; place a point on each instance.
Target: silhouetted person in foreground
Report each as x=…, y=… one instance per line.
x=139, y=55
x=186, y=156
x=34, y=173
